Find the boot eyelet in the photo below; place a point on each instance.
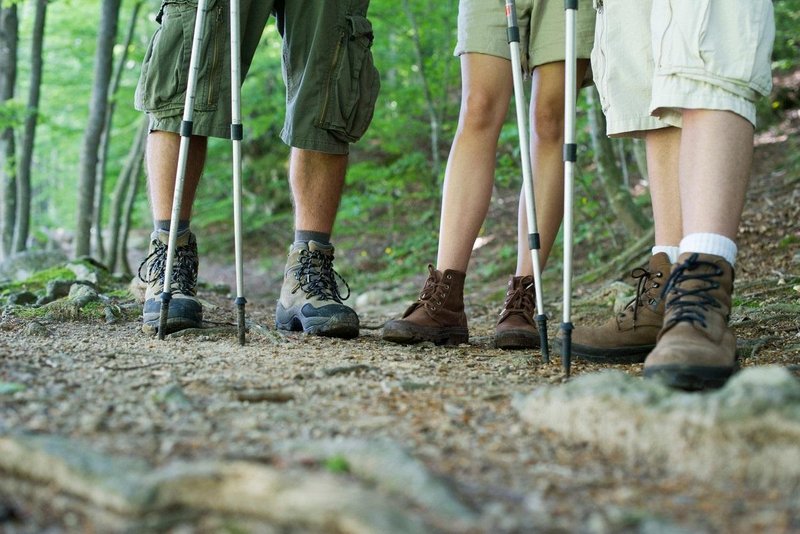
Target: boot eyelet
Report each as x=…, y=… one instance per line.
x=449, y=276
x=447, y=287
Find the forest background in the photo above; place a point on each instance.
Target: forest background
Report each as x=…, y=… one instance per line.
x=71, y=145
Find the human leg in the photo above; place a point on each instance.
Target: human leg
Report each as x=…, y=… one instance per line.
x=516, y=326
x=161, y=94
x=696, y=348
x=486, y=93
x=319, y=134
x=623, y=70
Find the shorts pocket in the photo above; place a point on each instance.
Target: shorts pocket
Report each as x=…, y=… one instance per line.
x=352, y=86
x=719, y=39
x=165, y=69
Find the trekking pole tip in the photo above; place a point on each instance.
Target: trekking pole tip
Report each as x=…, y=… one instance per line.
x=566, y=348
x=164, y=314
x=541, y=325
x=240, y=302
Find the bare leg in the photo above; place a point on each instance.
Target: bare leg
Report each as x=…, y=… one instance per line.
x=486, y=93
x=317, y=181
x=663, y=146
x=715, y=158
x=162, y=165
x=547, y=141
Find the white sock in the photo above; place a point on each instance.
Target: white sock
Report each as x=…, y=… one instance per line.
x=715, y=244
x=671, y=252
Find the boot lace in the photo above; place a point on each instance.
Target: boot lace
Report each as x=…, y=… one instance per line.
x=520, y=300
x=690, y=304
x=184, y=272
x=644, y=285
x=317, y=277
x=434, y=292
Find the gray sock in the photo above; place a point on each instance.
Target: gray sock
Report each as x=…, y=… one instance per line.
x=183, y=226
x=310, y=235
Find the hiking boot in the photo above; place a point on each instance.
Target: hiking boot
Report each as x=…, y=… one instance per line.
x=310, y=300
x=515, y=327
x=696, y=349
x=437, y=315
x=185, y=311
x=629, y=336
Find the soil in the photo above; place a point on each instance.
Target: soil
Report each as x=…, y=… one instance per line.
x=110, y=385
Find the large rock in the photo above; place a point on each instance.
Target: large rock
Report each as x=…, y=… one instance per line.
x=747, y=432
x=23, y=264
x=127, y=492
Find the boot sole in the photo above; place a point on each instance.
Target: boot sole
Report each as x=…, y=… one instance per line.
x=182, y=315
x=345, y=326
x=174, y=324
x=512, y=340
x=690, y=377
x=614, y=355
x=404, y=334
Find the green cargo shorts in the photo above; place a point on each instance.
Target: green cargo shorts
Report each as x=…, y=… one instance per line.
x=330, y=78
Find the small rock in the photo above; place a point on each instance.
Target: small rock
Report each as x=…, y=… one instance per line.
x=23, y=298
x=265, y=395
x=82, y=294
x=35, y=328
x=57, y=289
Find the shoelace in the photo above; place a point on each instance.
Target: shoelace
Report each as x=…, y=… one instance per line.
x=317, y=277
x=688, y=305
x=434, y=291
x=184, y=273
x=643, y=276
x=520, y=300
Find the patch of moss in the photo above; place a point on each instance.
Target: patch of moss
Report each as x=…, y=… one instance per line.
x=119, y=294
x=337, y=464
x=27, y=312
x=37, y=281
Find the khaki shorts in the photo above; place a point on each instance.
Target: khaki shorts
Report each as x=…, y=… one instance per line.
x=653, y=58
x=330, y=78
x=482, y=29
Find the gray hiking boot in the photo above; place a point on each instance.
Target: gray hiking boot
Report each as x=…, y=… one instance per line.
x=696, y=348
x=310, y=300
x=185, y=311
x=631, y=334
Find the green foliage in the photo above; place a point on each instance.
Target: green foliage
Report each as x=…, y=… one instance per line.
x=786, y=51
x=336, y=464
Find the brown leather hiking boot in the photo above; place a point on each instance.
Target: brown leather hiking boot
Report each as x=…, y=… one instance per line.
x=437, y=315
x=696, y=349
x=515, y=327
x=630, y=335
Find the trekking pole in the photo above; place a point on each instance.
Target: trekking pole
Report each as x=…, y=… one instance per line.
x=183, y=154
x=570, y=156
x=534, y=242
x=237, y=133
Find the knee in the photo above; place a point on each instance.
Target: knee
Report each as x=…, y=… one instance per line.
x=481, y=111
x=548, y=124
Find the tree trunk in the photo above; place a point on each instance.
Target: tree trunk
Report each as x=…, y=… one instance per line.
x=609, y=174
x=430, y=105
x=120, y=200
x=23, y=207
x=127, y=216
x=9, y=42
x=104, y=56
x=100, y=179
